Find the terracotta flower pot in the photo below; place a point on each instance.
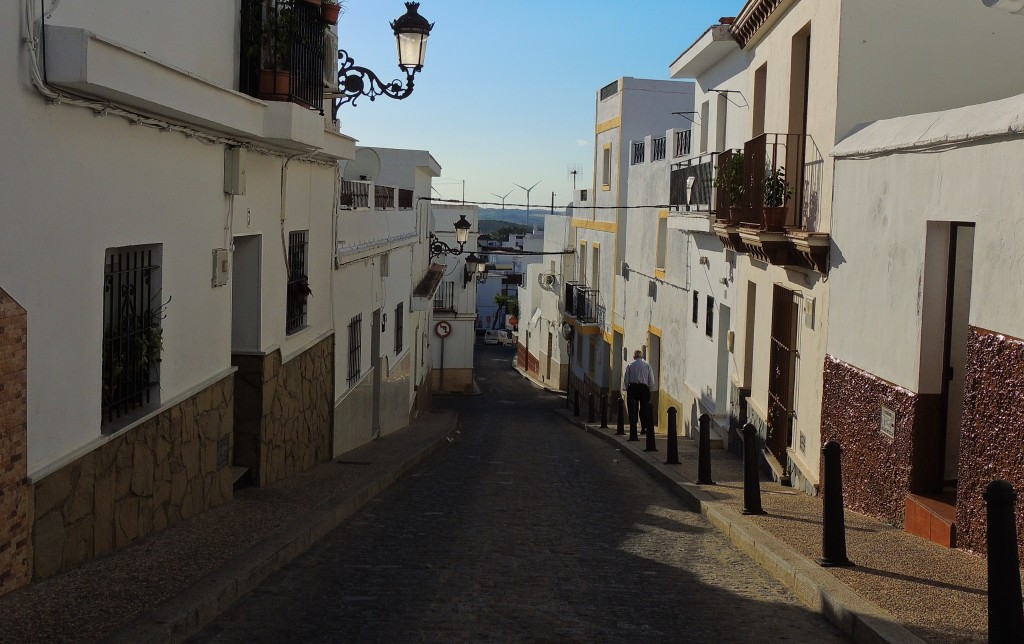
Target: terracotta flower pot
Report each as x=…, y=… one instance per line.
x=775, y=217
x=275, y=84
x=329, y=13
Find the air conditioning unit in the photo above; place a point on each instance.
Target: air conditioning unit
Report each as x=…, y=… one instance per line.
x=330, y=61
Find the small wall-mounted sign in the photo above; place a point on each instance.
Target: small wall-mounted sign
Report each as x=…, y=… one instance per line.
x=888, y=423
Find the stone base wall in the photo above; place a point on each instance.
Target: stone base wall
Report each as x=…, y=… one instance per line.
x=878, y=471
x=170, y=467
x=15, y=496
x=283, y=412
x=454, y=381
x=992, y=436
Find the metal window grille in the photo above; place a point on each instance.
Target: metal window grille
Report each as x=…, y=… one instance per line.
x=638, y=153
x=384, y=197
x=132, y=334
x=609, y=90
x=355, y=194
x=399, y=326
x=404, y=198
x=444, y=297
x=298, y=281
x=583, y=195
x=355, y=346
x=682, y=144
x=696, y=306
x=658, y=149
x=709, y=324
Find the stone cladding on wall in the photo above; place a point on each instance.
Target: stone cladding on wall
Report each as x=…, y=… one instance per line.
x=283, y=412
x=992, y=435
x=876, y=469
x=15, y=497
x=168, y=468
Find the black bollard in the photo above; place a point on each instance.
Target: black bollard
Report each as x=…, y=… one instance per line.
x=751, y=473
x=576, y=403
x=647, y=422
x=634, y=414
x=704, y=451
x=604, y=411
x=1005, y=610
x=590, y=407
x=673, y=439
x=833, y=520
x=620, y=425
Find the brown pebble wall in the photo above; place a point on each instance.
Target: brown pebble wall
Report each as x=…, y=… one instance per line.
x=992, y=435
x=15, y=497
x=876, y=468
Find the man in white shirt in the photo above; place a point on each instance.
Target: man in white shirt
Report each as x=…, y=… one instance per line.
x=638, y=381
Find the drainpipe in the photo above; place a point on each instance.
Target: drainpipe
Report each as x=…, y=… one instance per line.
x=1011, y=6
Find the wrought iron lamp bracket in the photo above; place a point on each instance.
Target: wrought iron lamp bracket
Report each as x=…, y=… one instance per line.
x=355, y=81
x=438, y=248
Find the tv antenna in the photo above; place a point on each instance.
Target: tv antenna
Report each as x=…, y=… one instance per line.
x=574, y=169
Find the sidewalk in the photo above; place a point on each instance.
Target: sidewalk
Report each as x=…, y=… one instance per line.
x=901, y=589
x=164, y=587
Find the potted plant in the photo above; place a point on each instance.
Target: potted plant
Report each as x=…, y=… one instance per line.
x=278, y=29
x=330, y=10
x=731, y=179
x=777, y=193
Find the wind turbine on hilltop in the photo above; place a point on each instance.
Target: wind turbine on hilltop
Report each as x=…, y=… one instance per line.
x=502, y=197
x=527, y=199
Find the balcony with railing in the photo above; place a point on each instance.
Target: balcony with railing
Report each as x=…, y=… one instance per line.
x=383, y=197
x=444, y=298
x=658, y=148
x=355, y=195
x=767, y=201
x=282, y=52
x=681, y=146
x=583, y=303
x=637, y=155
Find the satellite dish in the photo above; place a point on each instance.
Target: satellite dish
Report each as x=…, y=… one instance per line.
x=365, y=167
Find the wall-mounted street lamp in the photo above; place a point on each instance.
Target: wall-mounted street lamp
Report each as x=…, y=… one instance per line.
x=438, y=247
x=411, y=32
x=475, y=268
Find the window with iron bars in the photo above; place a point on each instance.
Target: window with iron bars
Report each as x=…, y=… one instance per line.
x=658, y=149
x=399, y=326
x=132, y=331
x=696, y=306
x=638, y=153
x=298, y=281
x=355, y=346
x=404, y=198
x=709, y=324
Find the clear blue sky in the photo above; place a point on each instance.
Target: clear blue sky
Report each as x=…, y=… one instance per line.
x=507, y=92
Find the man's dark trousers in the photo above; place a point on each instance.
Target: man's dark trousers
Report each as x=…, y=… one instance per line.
x=638, y=398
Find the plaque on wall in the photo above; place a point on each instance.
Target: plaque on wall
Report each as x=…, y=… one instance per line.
x=888, y=424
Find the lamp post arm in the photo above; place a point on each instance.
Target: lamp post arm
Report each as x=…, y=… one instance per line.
x=355, y=81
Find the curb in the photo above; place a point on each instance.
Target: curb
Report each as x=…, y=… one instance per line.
x=193, y=608
x=859, y=618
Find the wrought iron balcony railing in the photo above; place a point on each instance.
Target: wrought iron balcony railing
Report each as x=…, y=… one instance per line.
x=682, y=144
x=282, y=52
x=384, y=198
x=355, y=195
x=582, y=303
x=774, y=182
x=691, y=184
x=637, y=155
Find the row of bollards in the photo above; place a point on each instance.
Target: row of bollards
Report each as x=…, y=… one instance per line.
x=1005, y=601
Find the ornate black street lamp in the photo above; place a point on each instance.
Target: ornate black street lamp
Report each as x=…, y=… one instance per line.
x=438, y=247
x=411, y=32
x=475, y=268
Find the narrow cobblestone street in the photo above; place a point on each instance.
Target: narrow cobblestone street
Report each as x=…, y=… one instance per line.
x=523, y=529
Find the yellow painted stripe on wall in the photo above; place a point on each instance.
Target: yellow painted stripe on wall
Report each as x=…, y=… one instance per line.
x=610, y=124
x=662, y=214
x=653, y=330
x=618, y=329
x=600, y=226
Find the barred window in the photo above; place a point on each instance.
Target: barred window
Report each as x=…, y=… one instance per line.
x=298, y=281
x=399, y=326
x=709, y=326
x=132, y=331
x=696, y=306
x=355, y=345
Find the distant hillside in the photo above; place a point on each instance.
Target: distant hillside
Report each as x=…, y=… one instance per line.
x=517, y=216
x=501, y=229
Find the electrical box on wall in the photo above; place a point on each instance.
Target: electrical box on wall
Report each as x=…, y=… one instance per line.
x=809, y=312
x=221, y=267
x=234, y=171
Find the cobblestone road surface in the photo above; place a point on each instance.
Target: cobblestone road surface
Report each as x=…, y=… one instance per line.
x=524, y=529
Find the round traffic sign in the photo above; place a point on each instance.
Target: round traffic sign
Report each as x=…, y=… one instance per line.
x=443, y=329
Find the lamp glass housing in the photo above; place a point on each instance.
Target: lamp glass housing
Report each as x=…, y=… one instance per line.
x=412, y=50
x=462, y=227
x=472, y=262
